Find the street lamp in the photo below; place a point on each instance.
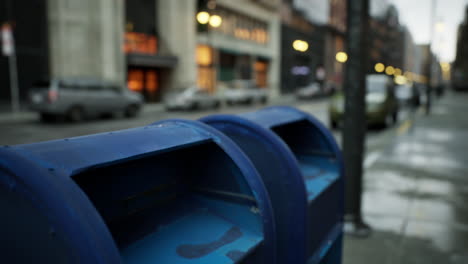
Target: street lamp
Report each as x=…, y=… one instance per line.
x=379, y=67
x=341, y=57
x=215, y=21
x=203, y=17
x=397, y=72
x=440, y=26
x=300, y=45
x=390, y=70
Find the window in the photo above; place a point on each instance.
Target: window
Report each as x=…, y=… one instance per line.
x=206, y=71
x=261, y=73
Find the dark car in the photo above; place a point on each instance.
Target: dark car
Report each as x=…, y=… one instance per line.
x=382, y=106
x=78, y=98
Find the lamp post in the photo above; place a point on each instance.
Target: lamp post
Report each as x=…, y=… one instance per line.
x=429, y=60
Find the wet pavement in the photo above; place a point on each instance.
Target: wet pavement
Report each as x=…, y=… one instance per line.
x=416, y=192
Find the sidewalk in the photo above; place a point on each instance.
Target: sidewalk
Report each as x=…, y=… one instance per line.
x=416, y=193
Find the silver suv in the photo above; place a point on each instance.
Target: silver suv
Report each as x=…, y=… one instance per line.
x=79, y=98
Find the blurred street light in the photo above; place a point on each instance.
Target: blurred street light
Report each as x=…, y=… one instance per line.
x=445, y=66
x=390, y=70
x=341, y=57
x=400, y=80
x=379, y=67
x=215, y=21
x=408, y=76
x=397, y=72
x=203, y=17
x=300, y=45
x=440, y=26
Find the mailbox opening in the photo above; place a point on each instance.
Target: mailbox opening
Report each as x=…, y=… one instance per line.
x=317, y=161
x=185, y=205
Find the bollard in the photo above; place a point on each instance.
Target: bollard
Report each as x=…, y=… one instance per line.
x=302, y=168
x=172, y=192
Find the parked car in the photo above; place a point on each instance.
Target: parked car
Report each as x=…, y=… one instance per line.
x=79, y=98
x=382, y=106
x=244, y=92
x=408, y=95
x=191, y=98
x=308, y=92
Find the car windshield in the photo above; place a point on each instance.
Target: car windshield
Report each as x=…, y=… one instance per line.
x=190, y=91
x=376, y=86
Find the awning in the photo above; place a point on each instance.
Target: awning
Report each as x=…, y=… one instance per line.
x=161, y=61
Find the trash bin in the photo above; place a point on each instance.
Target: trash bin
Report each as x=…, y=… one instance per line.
x=301, y=166
x=172, y=192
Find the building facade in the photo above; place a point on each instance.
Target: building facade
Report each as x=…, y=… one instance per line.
x=300, y=66
x=387, y=40
x=335, y=42
x=31, y=38
x=148, y=46
x=244, y=46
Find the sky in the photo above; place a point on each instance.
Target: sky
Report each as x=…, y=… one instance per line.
x=415, y=14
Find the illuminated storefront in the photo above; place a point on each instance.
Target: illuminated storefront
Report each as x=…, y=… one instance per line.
x=237, y=47
x=146, y=65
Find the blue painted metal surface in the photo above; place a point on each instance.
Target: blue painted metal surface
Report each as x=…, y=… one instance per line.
x=302, y=168
x=172, y=192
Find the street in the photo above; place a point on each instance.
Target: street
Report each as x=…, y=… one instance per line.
x=29, y=129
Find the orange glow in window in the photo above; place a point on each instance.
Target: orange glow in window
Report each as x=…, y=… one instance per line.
x=204, y=55
x=140, y=43
x=135, y=80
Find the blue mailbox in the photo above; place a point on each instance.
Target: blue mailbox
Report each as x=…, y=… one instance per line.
x=302, y=169
x=172, y=192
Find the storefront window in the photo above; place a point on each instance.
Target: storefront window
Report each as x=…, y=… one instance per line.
x=140, y=29
x=261, y=73
x=206, y=72
x=140, y=43
x=144, y=81
x=135, y=80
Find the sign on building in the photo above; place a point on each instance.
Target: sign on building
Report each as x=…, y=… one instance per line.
x=8, y=47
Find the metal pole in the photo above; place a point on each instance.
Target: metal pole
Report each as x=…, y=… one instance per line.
x=15, y=104
x=14, y=90
x=430, y=60
x=354, y=117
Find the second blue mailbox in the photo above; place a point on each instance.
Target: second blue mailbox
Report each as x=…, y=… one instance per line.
x=301, y=166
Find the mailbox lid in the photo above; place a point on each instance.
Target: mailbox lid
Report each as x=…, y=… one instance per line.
x=76, y=154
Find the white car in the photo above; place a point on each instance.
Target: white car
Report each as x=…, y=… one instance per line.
x=244, y=92
x=310, y=91
x=190, y=99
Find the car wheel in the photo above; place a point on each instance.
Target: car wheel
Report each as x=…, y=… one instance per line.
x=395, y=117
x=216, y=105
x=230, y=103
x=249, y=101
x=264, y=100
x=75, y=114
x=131, y=111
x=46, y=117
